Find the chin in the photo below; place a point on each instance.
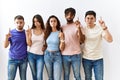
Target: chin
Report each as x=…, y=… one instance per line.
x=20, y=28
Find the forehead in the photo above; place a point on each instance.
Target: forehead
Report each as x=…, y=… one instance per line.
x=19, y=20
x=52, y=19
x=35, y=19
x=69, y=13
x=90, y=16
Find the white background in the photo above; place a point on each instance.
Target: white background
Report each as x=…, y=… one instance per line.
x=108, y=9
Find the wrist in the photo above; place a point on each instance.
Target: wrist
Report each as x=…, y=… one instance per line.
x=105, y=28
x=62, y=40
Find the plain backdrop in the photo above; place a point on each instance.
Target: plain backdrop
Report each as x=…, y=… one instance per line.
x=107, y=9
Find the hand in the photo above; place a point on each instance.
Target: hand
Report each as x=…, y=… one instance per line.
x=61, y=35
x=9, y=34
x=77, y=22
x=102, y=23
x=28, y=31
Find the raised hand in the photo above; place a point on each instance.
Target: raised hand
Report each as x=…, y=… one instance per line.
x=102, y=23
x=8, y=35
x=62, y=40
x=28, y=31
x=77, y=22
x=61, y=36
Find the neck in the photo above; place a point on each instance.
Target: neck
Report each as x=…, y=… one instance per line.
x=54, y=29
x=19, y=29
x=91, y=26
x=38, y=28
x=70, y=22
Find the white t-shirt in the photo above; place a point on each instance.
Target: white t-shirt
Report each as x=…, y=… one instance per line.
x=37, y=44
x=93, y=43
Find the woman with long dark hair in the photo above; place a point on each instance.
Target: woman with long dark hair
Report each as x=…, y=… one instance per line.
x=55, y=44
x=35, y=40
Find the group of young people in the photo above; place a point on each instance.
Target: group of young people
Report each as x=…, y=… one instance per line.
x=57, y=47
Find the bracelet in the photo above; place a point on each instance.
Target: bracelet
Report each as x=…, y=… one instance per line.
x=62, y=40
x=105, y=28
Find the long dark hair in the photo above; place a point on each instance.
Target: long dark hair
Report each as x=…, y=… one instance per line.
x=40, y=20
x=49, y=28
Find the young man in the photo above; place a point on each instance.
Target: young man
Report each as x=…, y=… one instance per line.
x=18, y=49
x=71, y=55
x=92, y=52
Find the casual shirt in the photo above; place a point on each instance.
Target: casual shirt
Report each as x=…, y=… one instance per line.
x=37, y=43
x=93, y=43
x=72, y=44
x=53, y=41
x=18, y=45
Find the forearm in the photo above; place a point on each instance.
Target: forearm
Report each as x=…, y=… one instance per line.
x=28, y=40
x=81, y=35
x=62, y=45
x=6, y=43
x=108, y=36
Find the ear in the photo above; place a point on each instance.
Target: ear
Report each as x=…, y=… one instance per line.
x=95, y=19
x=24, y=23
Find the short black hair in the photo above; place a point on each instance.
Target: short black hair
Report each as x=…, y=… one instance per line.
x=71, y=10
x=90, y=12
x=19, y=17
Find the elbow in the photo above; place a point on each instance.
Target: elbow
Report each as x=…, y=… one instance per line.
x=5, y=46
x=110, y=40
x=29, y=45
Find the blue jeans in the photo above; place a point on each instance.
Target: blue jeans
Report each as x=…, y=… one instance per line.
x=75, y=62
x=97, y=65
x=36, y=63
x=53, y=63
x=12, y=68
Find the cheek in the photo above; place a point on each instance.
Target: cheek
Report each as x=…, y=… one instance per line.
x=21, y=25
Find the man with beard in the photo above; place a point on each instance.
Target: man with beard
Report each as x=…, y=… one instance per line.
x=71, y=55
x=18, y=49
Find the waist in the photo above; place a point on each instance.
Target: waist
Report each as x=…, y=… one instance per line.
x=53, y=51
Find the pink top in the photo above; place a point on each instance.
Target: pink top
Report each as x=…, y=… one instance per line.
x=72, y=44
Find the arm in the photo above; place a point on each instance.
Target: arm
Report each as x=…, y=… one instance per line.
x=6, y=42
x=62, y=41
x=28, y=37
x=80, y=33
x=81, y=36
x=45, y=44
x=107, y=35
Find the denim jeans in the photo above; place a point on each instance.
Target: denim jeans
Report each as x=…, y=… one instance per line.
x=97, y=65
x=75, y=62
x=12, y=68
x=36, y=63
x=53, y=63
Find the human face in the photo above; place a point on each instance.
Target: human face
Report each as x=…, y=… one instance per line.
x=69, y=17
x=19, y=24
x=53, y=22
x=36, y=22
x=90, y=20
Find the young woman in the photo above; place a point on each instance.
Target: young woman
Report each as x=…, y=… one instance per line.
x=55, y=42
x=35, y=40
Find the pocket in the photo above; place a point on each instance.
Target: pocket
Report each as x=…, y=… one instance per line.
x=58, y=53
x=46, y=53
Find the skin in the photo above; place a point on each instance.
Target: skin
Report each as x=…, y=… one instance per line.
x=90, y=21
x=53, y=23
x=19, y=25
x=69, y=18
x=37, y=31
